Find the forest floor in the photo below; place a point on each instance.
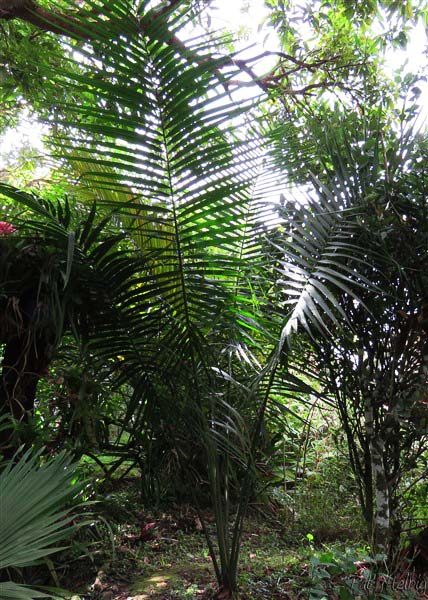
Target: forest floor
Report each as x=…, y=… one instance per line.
x=135, y=554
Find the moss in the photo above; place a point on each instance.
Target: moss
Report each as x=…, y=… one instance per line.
x=170, y=578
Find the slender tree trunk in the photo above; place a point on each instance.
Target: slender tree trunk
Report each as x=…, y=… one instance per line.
x=368, y=510
x=393, y=436
x=382, y=519
x=381, y=522
x=361, y=467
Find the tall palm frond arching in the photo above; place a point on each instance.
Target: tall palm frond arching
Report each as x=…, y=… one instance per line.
x=163, y=152
x=150, y=128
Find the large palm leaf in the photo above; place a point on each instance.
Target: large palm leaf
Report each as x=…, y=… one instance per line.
x=318, y=257
x=150, y=131
x=33, y=520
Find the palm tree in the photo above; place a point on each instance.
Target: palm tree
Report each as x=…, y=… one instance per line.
x=56, y=278
x=373, y=365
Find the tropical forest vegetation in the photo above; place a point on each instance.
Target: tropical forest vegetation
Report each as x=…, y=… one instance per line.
x=213, y=299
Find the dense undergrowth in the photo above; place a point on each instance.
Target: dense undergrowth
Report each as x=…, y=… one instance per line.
x=304, y=544
x=304, y=535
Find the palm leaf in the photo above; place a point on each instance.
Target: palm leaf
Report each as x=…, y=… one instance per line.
x=150, y=140
x=15, y=591
x=319, y=258
x=33, y=520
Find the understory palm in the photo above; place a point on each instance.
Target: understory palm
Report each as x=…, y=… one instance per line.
x=374, y=365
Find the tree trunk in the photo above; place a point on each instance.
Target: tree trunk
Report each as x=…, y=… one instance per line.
x=382, y=517
x=368, y=511
x=381, y=521
x=26, y=358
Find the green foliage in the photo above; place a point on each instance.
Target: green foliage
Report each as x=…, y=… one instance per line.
x=328, y=565
x=378, y=353
x=34, y=518
x=189, y=310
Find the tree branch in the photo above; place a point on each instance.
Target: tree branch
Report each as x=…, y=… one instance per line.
x=28, y=11
x=78, y=26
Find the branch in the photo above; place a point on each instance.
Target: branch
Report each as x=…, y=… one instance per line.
x=61, y=23
x=78, y=26
x=28, y=11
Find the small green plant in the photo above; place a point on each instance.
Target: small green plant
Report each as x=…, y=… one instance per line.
x=334, y=573
x=310, y=539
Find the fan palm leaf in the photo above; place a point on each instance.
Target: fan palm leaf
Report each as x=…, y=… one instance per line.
x=33, y=520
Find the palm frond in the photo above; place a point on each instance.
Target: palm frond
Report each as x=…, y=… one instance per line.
x=318, y=258
x=153, y=137
x=32, y=518
x=15, y=591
